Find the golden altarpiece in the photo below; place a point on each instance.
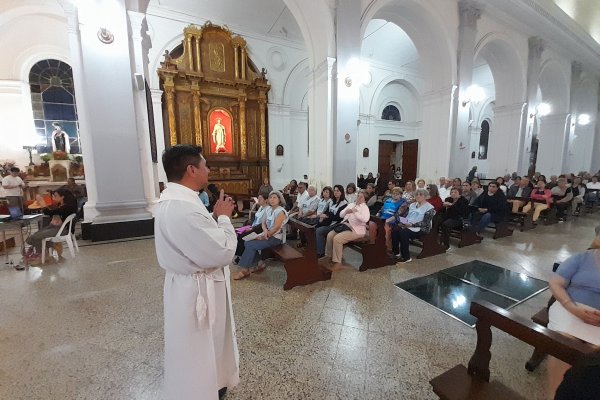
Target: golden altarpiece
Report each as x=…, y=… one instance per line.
x=214, y=97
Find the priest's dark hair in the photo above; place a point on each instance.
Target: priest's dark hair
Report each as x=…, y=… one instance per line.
x=176, y=160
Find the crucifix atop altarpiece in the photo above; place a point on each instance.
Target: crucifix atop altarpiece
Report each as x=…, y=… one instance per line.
x=214, y=97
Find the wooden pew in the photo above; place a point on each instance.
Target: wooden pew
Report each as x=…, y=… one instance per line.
x=465, y=237
x=473, y=382
x=548, y=215
x=372, y=247
x=302, y=267
x=523, y=220
x=430, y=243
x=501, y=229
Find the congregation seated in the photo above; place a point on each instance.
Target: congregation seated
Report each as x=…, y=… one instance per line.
x=539, y=193
x=456, y=183
x=576, y=311
x=491, y=206
x=373, y=204
x=323, y=205
x=255, y=226
x=301, y=196
x=409, y=192
x=502, y=184
x=291, y=188
x=273, y=234
x=391, y=208
x=352, y=227
x=371, y=179
x=519, y=193
x=476, y=187
x=416, y=223
x=553, y=182
x=593, y=184
x=63, y=205
x=421, y=184
x=578, y=195
x=351, y=193
x=307, y=205
x=388, y=193
x=444, y=187
x=455, y=211
x=468, y=193
x=333, y=216
x=434, y=197
x=562, y=194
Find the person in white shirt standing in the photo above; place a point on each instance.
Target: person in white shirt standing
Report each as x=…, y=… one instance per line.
x=195, y=248
x=13, y=188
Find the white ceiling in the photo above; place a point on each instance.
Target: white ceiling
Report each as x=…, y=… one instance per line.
x=384, y=42
x=586, y=13
x=266, y=17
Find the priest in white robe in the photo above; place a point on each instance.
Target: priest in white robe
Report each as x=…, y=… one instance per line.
x=195, y=247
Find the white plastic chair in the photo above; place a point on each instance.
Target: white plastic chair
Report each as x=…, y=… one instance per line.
x=68, y=237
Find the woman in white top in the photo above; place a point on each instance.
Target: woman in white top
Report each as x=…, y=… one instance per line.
x=261, y=206
x=272, y=235
x=354, y=225
x=351, y=193
x=417, y=223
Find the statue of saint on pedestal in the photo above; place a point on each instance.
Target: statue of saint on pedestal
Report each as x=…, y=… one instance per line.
x=60, y=139
x=219, y=137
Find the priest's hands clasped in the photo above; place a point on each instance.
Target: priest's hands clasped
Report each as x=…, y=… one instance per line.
x=223, y=206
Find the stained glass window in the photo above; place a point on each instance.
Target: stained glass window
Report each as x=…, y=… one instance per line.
x=391, y=113
x=53, y=103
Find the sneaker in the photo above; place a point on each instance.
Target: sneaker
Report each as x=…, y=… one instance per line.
x=404, y=260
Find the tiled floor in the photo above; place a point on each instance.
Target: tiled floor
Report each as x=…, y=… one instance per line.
x=91, y=328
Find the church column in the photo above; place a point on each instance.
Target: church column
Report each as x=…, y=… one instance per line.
x=553, y=130
x=197, y=118
x=436, y=133
x=140, y=45
x=469, y=12
x=348, y=38
x=85, y=133
x=320, y=126
x=104, y=83
x=534, y=60
x=503, y=154
x=280, y=167
x=160, y=131
x=243, y=145
x=263, y=126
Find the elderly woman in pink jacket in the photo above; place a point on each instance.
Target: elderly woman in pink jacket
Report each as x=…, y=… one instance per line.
x=355, y=218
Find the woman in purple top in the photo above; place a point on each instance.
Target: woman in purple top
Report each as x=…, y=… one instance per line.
x=576, y=312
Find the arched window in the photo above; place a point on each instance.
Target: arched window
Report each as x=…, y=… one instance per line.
x=391, y=113
x=484, y=138
x=53, y=102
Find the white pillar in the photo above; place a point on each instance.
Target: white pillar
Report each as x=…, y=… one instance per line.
x=104, y=84
x=140, y=45
x=320, y=122
x=503, y=156
x=281, y=168
x=536, y=48
x=436, y=133
x=469, y=12
x=552, y=135
x=159, y=130
x=348, y=40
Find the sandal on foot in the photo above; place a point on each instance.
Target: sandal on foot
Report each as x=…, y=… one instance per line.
x=242, y=274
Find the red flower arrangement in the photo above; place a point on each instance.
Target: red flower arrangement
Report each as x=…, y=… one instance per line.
x=59, y=155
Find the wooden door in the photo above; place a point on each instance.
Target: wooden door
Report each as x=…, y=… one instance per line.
x=386, y=148
x=410, y=150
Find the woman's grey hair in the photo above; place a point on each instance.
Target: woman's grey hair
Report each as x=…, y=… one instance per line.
x=422, y=192
x=280, y=195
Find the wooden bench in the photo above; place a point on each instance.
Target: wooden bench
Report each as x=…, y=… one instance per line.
x=430, y=243
x=473, y=382
x=10, y=242
x=302, y=267
x=502, y=229
x=465, y=237
x=522, y=219
x=372, y=247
